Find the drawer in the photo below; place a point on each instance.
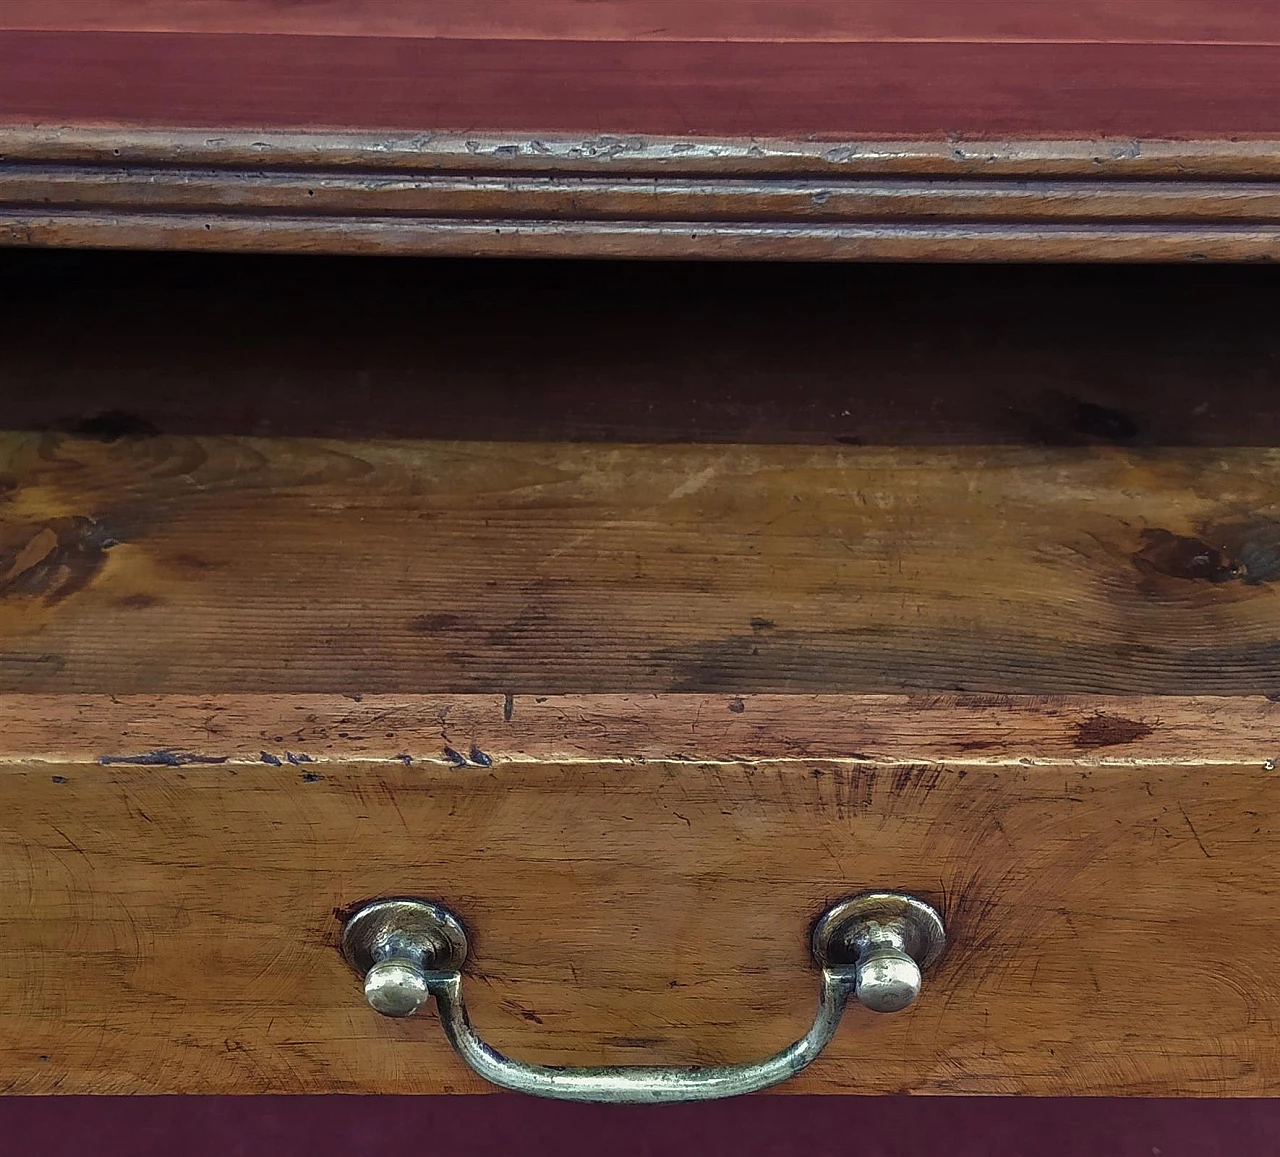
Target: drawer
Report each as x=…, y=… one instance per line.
x=638, y=875
x=637, y=683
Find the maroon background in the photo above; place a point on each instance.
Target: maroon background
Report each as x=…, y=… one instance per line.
x=776, y=1126
x=784, y=89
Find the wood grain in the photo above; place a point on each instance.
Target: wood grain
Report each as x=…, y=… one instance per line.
x=1142, y=21
x=186, y=564
x=536, y=198
x=460, y=237
x=173, y=928
x=224, y=81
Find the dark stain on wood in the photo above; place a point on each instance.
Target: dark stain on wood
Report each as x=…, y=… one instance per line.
x=1257, y=548
x=165, y=757
x=268, y=758
x=455, y=757
x=297, y=759
x=110, y=426
x=1103, y=422
x=1109, y=731
x=193, y=562
x=955, y=661
x=480, y=758
x=55, y=560
x=759, y=624
x=508, y=706
x=430, y=624
x=1180, y=556
x=737, y=706
x=311, y=777
x=139, y=602
x=1063, y=419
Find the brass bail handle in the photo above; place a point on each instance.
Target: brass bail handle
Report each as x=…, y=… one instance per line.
x=873, y=947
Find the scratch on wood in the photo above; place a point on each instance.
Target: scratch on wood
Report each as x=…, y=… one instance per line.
x=1194, y=833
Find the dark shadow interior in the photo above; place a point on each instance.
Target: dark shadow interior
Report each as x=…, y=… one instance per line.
x=123, y=344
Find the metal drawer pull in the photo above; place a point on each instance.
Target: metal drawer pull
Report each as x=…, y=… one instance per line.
x=872, y=946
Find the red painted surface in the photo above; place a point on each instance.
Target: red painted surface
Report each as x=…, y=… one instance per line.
x=1140, y=21
x=777, y=1126
x=712, y=89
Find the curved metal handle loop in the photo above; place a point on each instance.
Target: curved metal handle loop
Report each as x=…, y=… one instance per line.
x=872, y=947
x=638, y=1084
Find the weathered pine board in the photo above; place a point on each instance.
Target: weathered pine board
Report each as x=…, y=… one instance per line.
x=173, y=928
x=198, y=565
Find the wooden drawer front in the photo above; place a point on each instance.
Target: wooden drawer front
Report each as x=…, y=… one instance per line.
x=638, y=875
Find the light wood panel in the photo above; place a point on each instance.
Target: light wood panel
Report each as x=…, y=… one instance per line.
x=147, y=564
x=172, y=928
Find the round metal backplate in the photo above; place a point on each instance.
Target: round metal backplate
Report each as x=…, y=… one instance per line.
x=433, y=930
x=922, y=930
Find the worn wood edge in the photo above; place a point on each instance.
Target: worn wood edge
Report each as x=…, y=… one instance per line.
x=496, y=152
x=469, y=733
x=340, y=194
x=455, y=237
x=633, y=196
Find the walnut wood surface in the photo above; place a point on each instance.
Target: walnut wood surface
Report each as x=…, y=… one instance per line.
x=202, y=564
x=171, y=923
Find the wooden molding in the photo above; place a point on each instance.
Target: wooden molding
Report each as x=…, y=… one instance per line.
x=480, y=731
x=640, y=196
